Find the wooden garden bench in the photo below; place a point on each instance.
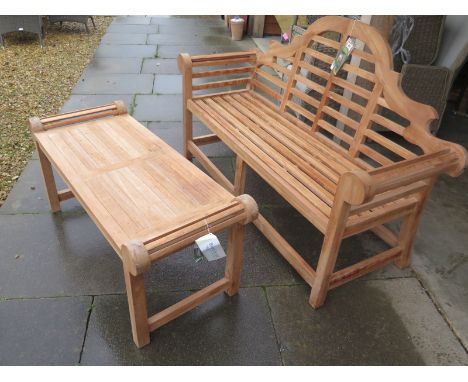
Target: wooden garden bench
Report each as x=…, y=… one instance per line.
x=146, y=199
x=329, y=145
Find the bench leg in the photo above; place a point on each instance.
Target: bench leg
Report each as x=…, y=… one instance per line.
x=409, y=228
x=329, y=253
x=137, y=306
x=49, y=180
x=326, y=264
x=188, y=133
x=239, y=177
x=235, y=254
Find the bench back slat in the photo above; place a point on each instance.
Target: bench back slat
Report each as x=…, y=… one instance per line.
x=361, y=109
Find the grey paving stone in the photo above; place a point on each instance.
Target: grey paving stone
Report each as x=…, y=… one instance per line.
x=166, y=107
x=131, y=20
x=128, y=51
x=223, y=331
x=42, y=331
x=384, y=322
x=184, y=21
x=115, y=84
x=29, y=194
x=197, y=39
x=100, y=66
x=206, y=29
x=262, y=265
x=194, y=30
x=171, y=133
x=440, y=255
x=160, y=66
x=124, y=38
x=307, y=240
x=167, y=84
x=83, y=101
x=168, y=51
x=132, y=28
x=61, y=254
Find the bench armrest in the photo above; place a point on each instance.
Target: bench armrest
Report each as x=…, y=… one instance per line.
x=358, y=187
x=187, y=63
x=215, y=58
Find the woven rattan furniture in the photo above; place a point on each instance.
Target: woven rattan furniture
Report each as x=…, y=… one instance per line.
x=146, y=199
x=336, y=168
x=31, y=24
x=72, y=18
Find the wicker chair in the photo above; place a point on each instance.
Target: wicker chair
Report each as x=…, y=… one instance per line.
x=72, y=18
x=31, y=24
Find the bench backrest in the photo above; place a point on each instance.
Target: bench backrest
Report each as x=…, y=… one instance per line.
x=355, y=109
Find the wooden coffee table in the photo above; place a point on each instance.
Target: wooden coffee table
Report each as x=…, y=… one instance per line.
x=146, y=199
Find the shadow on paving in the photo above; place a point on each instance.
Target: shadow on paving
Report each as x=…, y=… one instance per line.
x=224, y=331
x=379, y=322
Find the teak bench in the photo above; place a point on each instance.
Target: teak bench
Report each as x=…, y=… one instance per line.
x=147, y=199
x=329, y=145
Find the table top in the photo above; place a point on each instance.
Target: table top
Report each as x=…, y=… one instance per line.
x=131, y=183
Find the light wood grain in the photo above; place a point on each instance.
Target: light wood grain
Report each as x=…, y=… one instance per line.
x=324, y=151
x=146, y=199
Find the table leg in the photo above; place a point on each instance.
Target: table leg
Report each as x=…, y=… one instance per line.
x=234, y=257
x=49, y=180
x=137, y=306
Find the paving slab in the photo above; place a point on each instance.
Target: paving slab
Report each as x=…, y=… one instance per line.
x=84, y=101
x=440, y=256
x=185, y=21
x=115, y=84
x=165, y=107
x=378, y=322
x=42, y=331
x=262, y=266
x=132, y=20
x=171, y=133
x=62, y=254
x=104, y=66
x=440, y=250
x=160, y=66
x=198, y=39
x=167, y=84
x=124, y=38
x=172, y=51
x=196, y=30
x=132, y=28
x=223, y=331
x=29, y=195
x=307, y=240
x=128, y=51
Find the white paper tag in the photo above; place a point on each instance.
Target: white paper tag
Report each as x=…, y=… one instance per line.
x=210, y=247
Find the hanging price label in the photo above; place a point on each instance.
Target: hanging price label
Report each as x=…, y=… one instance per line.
x=342, y=55
x=210, y=247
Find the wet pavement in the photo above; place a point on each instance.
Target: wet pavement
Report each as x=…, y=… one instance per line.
x=62, y=294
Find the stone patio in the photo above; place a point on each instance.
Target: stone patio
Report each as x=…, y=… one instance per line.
x=62, y=294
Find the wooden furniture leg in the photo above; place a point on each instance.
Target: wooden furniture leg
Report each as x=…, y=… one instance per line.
x=329, y=252
x=234, y=257
x=186, y=63
x=136, y=261
x=409, y=228
x=137, y=306
x=49, y=181
x=236, y=235
x=239, y=177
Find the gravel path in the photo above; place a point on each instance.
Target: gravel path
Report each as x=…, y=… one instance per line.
x=35, y=81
